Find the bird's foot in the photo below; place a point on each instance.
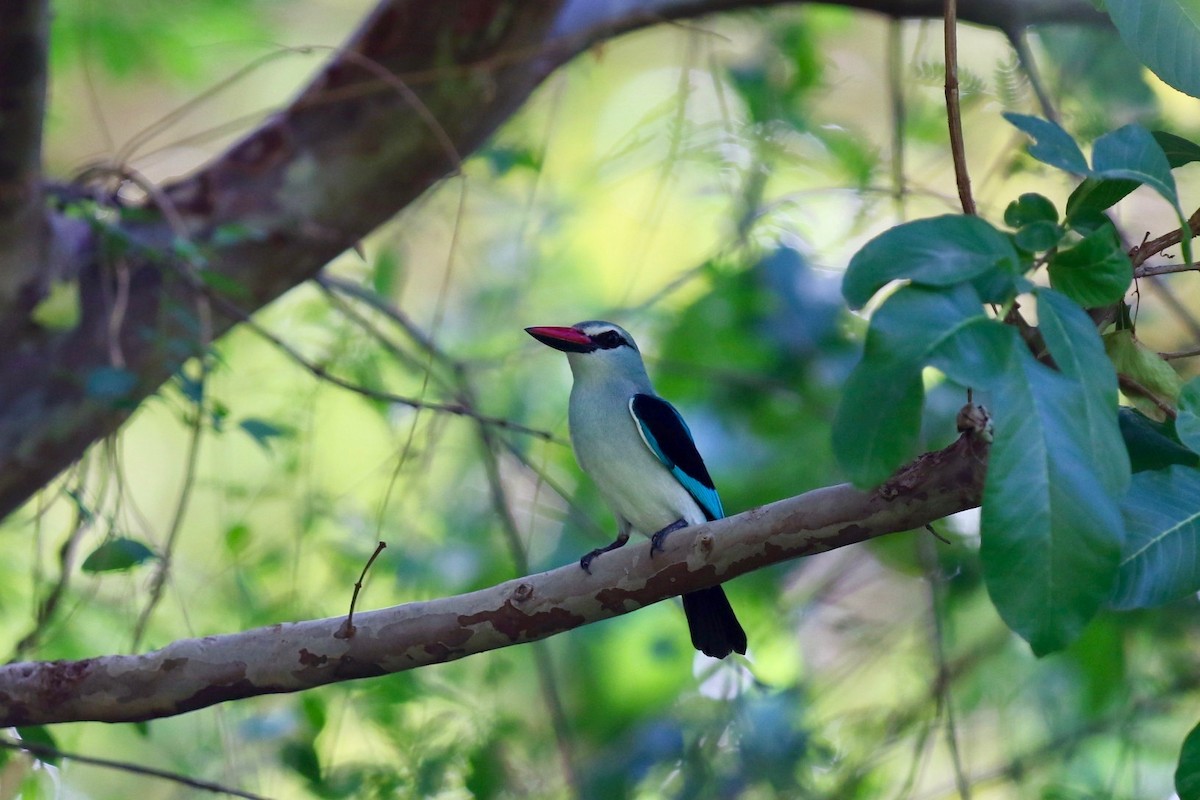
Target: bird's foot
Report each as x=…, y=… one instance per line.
x=656, y=541
x=585, y=563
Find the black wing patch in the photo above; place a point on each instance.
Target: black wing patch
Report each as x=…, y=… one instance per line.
x=667, y=435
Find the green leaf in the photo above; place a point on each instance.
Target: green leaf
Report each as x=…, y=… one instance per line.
x=940, y=251
x=1050, y=528
x=1095, y=195
x=1095, y=272
x=1135, y=360
x=1178, y=150
x=262, y=431
x=1151, y=444
x=1131, y=152
x=223, y=284
x=110, y=383
x=1164, y=35
x=237, y=537
x=878, y=423
x=1077, y=349
x=301, y=757
x=1029, y=208
x=1187, y=423
x=59, y=309
x=386, y=274
x=1161, y=559
x=117, y=554
x=1051, y=541
x=40, y=734
x=234, y=233
x=1037, y=237
x=1187, y=774
x=1051, y=144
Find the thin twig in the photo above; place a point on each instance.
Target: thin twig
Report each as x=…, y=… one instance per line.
x=895, y=49
x=464, y=395
x=953, y=112
x=1169, y=356
x=1144, y=271
x=319, y=372
x=159, y=580
x=45, y=751
x=49, y=604
x=1155, y=246
x=541, y=656
x=943, y=678
x=1019, y=39
x=1136, y=389
x=347, y=629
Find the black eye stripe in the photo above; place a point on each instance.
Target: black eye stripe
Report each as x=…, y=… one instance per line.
x=608, y=340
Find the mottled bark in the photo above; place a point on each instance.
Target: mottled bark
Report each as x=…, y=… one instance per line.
x=195, y=673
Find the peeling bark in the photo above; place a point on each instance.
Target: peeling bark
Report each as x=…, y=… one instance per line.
x=194, y=673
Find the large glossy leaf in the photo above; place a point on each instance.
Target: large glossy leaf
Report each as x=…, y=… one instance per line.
x=1078, y=352
x=1095, y=272
x=1187, y=422
x=940, y=251
x=1187, y=773
x=878, y=423
x=1131, y=152
x=1152, y=444
x=1051, y=531
x=1165, y=36
x=1161, y=559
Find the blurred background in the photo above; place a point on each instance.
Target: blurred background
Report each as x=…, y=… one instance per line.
x=703, y=185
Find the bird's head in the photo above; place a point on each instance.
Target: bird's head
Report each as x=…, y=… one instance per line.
x=594, y=347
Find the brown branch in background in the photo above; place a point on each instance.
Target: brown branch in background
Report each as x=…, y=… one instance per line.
x=347, y=629
x=1189, y=353
x=24, y=229
x=45, y=752
x=953, y=112
x=195, y=673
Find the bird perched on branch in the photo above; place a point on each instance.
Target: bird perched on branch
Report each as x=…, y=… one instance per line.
x=640, y=453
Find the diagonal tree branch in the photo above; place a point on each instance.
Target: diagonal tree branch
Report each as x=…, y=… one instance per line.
x=417, y=88
x=24, y=45
x=194, y=673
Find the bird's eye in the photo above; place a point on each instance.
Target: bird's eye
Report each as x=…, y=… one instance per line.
x=609, y=339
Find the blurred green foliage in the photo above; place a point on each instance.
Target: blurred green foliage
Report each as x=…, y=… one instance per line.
x=704, y=186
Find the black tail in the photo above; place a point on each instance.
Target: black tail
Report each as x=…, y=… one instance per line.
x=715, y=630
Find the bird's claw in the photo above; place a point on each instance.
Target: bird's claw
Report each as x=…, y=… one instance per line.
x=585, y=563
x=656, y=541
